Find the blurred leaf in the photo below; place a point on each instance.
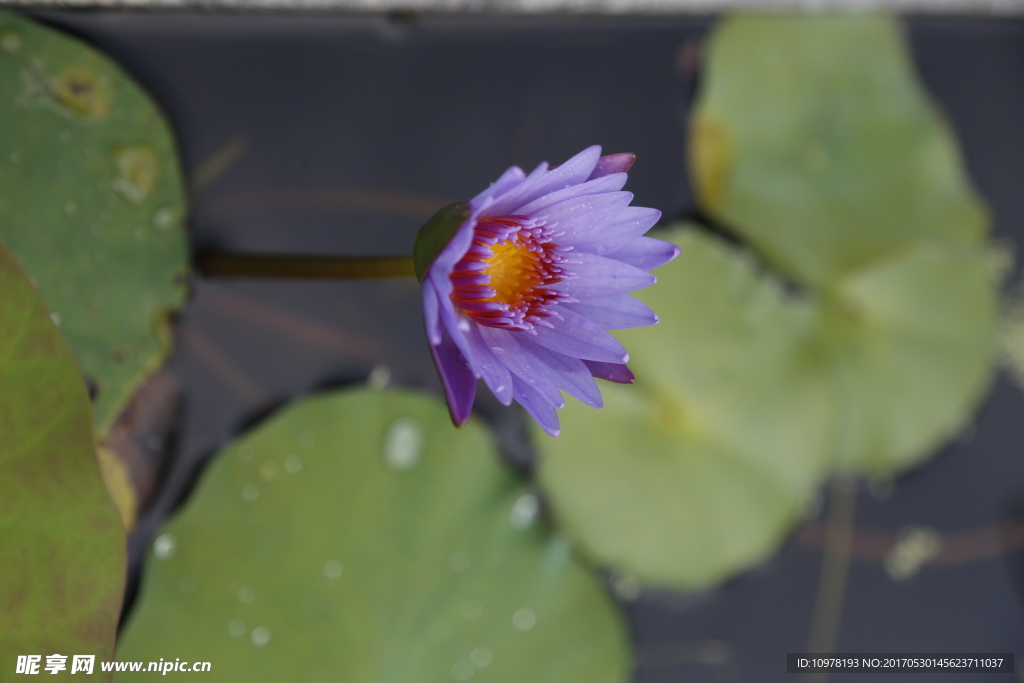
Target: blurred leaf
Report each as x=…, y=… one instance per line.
x=814, y=142
x=838, y=168
x=698, y=469
x=61, y=543
x=358, y=537
x=911, y=342
x=91, y=204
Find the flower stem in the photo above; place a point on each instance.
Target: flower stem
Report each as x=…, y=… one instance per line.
x=270, y=267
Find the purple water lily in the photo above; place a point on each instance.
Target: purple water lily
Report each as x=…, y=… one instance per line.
x=537, y=270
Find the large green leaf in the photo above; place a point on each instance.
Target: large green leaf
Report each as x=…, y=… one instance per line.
x=358, y=537
x=813, y=141
x=91, y=204
x=62, y=550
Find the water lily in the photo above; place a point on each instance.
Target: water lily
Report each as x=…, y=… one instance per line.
x=522, y=283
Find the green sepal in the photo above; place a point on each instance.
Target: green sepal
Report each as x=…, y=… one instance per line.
x=435, y=235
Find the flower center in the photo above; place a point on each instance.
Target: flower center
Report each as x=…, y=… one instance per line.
x=503, y=279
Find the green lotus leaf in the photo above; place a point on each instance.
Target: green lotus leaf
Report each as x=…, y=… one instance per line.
x=91, y=204
x=813, y=141
x=358, y=537
x=61, y=542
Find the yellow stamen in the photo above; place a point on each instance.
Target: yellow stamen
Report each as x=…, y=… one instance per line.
x=514, y=272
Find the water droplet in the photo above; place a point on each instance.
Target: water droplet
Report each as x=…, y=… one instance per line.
x=379, y=378
x=462, y=671
x=71, y=208
x=403, y=444
x=10, y=41
x=163, y=219
x=260, y=636
x=524, y=511
x=55, y=317
x=236, y=628
x=459, y=560
x=138, y=170
x=165, y=546
x=481, y=657
x=246, y=452
x=915, y=547
x=472, y=609
x=245, y=594
x=292, y=464
x=250, y=492
x=626, y=586
x=187, y=585
x=332, y=569
x=307, y=439
x=524, y=619
x=268, y=470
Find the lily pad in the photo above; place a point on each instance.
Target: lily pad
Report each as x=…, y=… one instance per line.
x=358, y=537
x=91, y=204
x=814, y=139
x=813, y=142
x=61, y=541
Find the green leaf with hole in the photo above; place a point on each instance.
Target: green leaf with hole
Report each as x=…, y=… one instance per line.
x=62, y=550
x=358, y=537
x=91, y=204
x=813, y=141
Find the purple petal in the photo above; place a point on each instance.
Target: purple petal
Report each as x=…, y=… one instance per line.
x=584, y=217
x=449, y=256
x=612, y=183
x=535, y=404
x=481, y=361
x=522, y=362
x=509, y=179
x=618, y=312
x=494, y=372
x=616, y=229
x=579, y=337
x=646, y=253
x=456, y=377
x=503, y=203
x=613, y=372
x=430, y=314
x=598, y=277
x=613, y=163
x=572, y=172
x=568, y=374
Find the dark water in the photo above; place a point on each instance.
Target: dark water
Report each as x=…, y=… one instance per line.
x=342, y=134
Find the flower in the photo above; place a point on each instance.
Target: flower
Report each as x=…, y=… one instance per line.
x=522, y=283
